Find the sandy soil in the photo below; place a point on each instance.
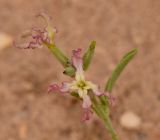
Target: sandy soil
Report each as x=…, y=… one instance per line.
x=27, y=113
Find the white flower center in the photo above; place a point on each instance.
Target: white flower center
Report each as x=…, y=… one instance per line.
x=82, y=84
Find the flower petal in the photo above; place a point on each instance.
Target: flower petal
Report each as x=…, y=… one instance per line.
x=87, y=114
x=97, y=91
x=31, y=39
x=65, y=87
x=53, y=88
x=73, y=85
x=36, y=37
x=50, y=31
x=82, y=93
x=95, y=88
x=86, y=102
x=77, y=53
x=78, y=64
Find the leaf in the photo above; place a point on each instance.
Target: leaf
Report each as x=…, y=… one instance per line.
x=87, y=57
x=120, y=67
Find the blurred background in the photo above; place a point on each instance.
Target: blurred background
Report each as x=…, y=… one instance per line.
x=28, y=113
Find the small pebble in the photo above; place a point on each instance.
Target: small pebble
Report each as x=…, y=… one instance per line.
x=130, y=120
x=138, y=40
x=5, y=40
x=23, y=128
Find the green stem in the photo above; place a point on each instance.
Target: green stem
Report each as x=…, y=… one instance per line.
x=61, y=57
x=103, y=113
x=110, y=128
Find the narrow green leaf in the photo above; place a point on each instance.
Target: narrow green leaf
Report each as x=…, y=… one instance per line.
x=87, y=57
x=120, y=67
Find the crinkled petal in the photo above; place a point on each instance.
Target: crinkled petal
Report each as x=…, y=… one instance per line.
x=50, y=31
x=36, y=37
x=53, y=88
x=78, y=64
x=65, y=87
x=77, y=53
x=31, y=39
x=87, y=113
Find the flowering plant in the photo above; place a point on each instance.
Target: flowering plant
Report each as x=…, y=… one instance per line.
x=93, y=99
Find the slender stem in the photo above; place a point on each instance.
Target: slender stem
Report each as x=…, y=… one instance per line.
x=100, y=111
x=110, y=128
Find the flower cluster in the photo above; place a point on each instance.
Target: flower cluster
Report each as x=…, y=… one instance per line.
x=89, y=93
x=74, y=67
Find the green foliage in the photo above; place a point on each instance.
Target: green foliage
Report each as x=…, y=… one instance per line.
x=87, y=57
x=120, y=67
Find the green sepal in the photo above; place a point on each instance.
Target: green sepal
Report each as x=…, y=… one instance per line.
x=70, y=71
x=87, y=57
x=120, y=67
x=75, y=94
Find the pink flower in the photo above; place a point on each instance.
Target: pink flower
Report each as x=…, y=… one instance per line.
x=37, y=37
x=79, y=85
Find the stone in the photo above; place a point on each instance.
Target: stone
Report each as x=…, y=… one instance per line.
x=130, y=120
x=5, y=40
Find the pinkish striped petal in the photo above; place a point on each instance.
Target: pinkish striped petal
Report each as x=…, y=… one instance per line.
x=86, y=102
x=65, y=87
x=78, y=64
x=87, y=113
x=62, y=89
x=77, y=53
x=53, y=88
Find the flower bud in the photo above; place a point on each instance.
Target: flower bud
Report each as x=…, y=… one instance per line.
x=87, y=57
